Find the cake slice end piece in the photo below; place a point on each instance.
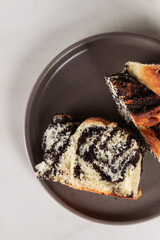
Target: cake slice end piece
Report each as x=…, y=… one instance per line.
x=137, y=104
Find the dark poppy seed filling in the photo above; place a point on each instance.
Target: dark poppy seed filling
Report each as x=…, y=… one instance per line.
x=55, y=142
x=140, y=99
x=109, y=150
x=78, y=171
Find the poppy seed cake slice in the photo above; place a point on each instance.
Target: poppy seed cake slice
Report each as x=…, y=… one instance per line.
x=100, y=157
x=137, y=103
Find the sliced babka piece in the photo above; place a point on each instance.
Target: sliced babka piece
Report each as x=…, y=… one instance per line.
x=100, y=157
x=137, y=104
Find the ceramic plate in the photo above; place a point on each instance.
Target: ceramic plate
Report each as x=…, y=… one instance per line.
x=73, y=82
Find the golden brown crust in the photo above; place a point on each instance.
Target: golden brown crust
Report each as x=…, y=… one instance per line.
x=147, y=74
x=106, y=193
x=150, y=76
x=98, y=192
x=147, y=119
x=110, y=193
x=152, y=140
x=95, y=191
x=96, y=120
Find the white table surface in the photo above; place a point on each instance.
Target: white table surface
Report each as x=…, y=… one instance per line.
x=32, y=33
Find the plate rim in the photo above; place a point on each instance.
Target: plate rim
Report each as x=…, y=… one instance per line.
x=31, y=96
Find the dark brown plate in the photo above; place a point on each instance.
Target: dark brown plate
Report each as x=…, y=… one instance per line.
x=73, y=83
